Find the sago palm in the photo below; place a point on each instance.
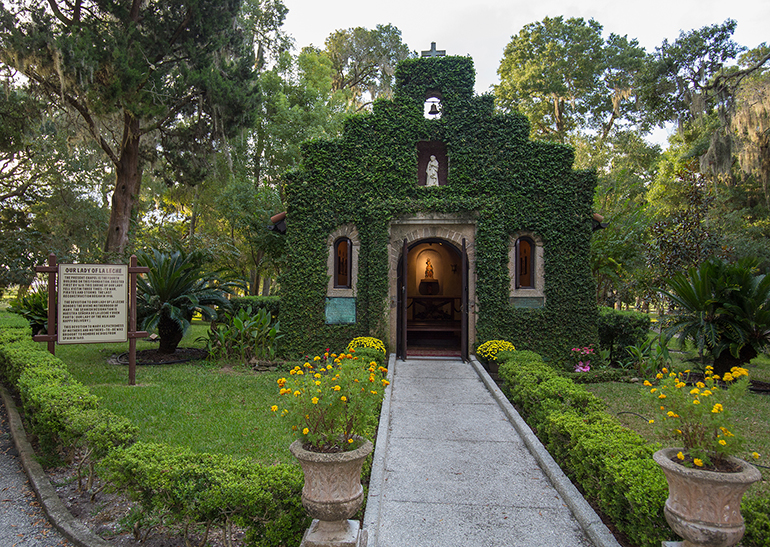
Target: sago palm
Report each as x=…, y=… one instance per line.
x=176, y=288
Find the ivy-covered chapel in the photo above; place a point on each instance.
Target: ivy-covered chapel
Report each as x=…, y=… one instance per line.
x=435, y=224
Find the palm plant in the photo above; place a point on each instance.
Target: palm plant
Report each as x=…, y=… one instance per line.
x=723, y=308
x=174, y=290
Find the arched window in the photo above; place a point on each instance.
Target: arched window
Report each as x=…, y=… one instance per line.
x=343, y=262
x=525, y=263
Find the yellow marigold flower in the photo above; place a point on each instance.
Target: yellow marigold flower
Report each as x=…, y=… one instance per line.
x=373, y=364
x=680, y=455
x=709, y=367
x=678, y=431
x=274, y=408
x=715, y=376
x=343, y=399
x=647, y=383
x=755, y=455
x=694, y=391
x=373, y=392
x=305, y=431
x=722, y=442
x=371, y=377
x=329, y=367
x=334, y=355
x=687, y=371
x=314, y=400
x=696, y=402
x=672, y=414
x=672, y=374
x=726, y=433
x=664, y=370
x=317, y=375
x=281, y=382
x=300, y=373
x=659, y=376
x=316, y=358
x=651, y=422
x=297, y=394
x=717, y=408
x=698, y=462
x=292, y=372
x=653, y=390
x=350, y=441
x=700, y=385
x=706, y=393
x=728, y=377
x=662, y=407
x=307, y=365
x=662, y=396
x=336, y=388
x=385, y=383
x=318, y=382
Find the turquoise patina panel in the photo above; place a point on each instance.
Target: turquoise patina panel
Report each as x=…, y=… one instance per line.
x=340, y=311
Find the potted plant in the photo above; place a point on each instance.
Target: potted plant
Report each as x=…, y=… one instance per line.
x=330, y=402
x=705, y=480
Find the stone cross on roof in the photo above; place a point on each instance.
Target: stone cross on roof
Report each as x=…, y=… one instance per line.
x=433, y=52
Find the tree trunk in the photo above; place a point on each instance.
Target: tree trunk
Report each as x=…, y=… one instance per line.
x=128, y=181
x=170, y=335
x=266, y=286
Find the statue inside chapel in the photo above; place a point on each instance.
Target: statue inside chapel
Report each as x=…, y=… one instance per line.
x=428, y=269
x=432, y=172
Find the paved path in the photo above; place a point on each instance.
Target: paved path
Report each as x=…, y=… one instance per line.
x=22, y=521
x=452, y=470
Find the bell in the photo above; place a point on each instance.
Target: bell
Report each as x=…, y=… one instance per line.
x=433, y=109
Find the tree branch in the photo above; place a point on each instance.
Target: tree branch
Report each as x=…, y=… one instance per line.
x=58, y=14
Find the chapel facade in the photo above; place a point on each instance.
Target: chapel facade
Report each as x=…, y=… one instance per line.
x=435, y=224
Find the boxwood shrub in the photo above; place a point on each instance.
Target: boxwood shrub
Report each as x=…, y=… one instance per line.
x=193, y=488
x=611, y=464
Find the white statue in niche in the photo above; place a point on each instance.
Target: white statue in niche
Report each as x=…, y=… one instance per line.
x=432, y=172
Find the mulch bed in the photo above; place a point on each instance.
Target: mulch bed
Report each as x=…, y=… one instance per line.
x=154, y=357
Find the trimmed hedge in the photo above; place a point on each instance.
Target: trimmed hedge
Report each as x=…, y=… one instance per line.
x=214, y=489
x=612, y=464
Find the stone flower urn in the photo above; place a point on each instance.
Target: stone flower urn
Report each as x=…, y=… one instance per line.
x=704, y=507
x=332, y=493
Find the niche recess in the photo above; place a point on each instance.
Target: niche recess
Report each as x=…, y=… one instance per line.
x=426, y=149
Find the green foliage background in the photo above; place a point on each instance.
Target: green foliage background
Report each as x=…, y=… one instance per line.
x=497, y=176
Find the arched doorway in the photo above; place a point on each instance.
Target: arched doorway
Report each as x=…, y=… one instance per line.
x=432, y=299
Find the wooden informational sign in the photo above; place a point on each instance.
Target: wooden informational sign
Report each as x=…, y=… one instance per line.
x=93, y=303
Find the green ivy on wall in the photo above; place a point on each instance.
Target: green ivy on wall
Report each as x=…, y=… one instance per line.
x=368, y=177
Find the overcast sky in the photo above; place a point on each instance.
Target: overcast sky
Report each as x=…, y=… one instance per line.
x=482, y=28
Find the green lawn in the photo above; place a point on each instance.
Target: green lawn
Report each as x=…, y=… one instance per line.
x=204, y=407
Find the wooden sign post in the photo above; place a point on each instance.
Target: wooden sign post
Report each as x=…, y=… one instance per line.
x=96, y=304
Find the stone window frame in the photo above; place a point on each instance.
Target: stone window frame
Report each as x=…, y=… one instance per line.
x=350, y=232
x=538, y=271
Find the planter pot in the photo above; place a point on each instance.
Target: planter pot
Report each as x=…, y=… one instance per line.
x=704, y=507
x=332, y=493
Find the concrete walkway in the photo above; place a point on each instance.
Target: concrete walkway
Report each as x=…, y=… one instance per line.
x=455, y=466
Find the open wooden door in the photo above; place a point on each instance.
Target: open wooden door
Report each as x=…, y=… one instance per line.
x=464, y=307
x=402, y=302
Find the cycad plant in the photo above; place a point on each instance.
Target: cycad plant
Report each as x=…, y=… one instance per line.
x=174, y=290
x=723, y=308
